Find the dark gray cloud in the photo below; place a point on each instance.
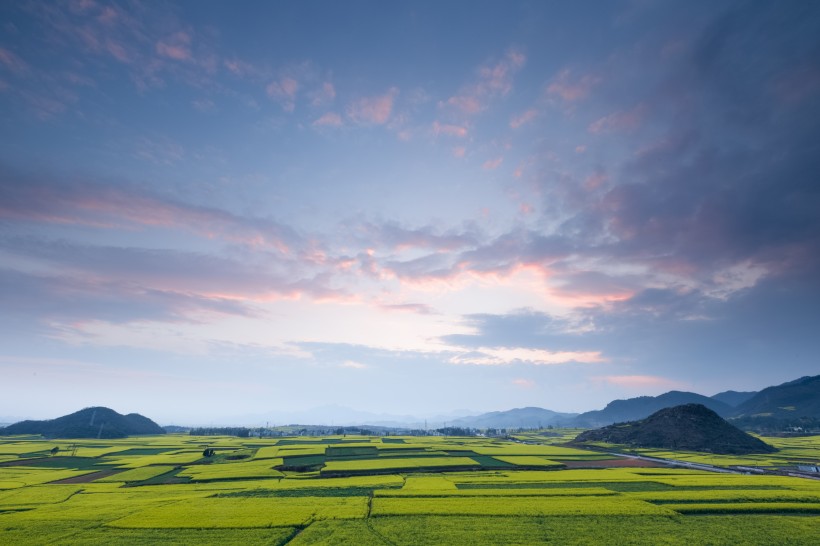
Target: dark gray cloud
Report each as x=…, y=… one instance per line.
x=523, y=328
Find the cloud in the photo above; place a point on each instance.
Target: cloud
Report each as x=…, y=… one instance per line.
x=396, y=237
x=330, y=119
x=484, y=356
x=68, y=202
x=50, y=302
x=284, y=92
x=572, y=90
x=242, y=69
x=449, y=130
x=494, y=79
x=203, y=105
x=373, y=110
x=417, y=308
x=176, y=47
x=325, y=94
x=524, y=383
x=624, y=121
x=12, y=62
x=492, y=164
x=353, y=365
x=524, y=118
x=639, y=381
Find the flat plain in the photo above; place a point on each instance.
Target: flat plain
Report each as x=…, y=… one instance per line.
x=393, y=490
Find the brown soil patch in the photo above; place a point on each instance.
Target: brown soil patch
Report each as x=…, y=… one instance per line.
x=86, y=478
x=614, y=463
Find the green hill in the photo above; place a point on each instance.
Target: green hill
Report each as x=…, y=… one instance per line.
x=95, y=422
x=691, y=427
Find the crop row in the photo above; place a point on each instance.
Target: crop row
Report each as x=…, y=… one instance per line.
x=246, y=512
x=521, y=506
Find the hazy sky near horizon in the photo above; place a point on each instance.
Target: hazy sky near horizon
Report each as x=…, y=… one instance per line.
x=213, y=209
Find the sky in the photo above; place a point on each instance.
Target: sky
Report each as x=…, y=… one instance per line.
x=224, y=212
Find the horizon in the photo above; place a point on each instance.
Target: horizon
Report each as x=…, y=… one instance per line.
x=404, y=209
x=335, y=415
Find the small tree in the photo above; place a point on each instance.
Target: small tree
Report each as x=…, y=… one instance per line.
x=55, y=450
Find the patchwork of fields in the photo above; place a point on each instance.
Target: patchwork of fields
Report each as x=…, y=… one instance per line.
x=390, y=490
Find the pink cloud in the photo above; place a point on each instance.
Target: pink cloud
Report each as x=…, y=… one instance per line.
x=526, y=208
x=498, y=78
x=331, y=119
x=639, y=381
x=459, y=151
x=524, y=118
x=491, y=164
x=108, y=16
x=415, y=308
x=373, y=110
x=581, y=148
x=110, y=207
x=284, y=92
x=12, y=62
x=353, y=365
x=524, y=383
x=324, y=95
x=118, y=51
x=570, y=90
x=467, y=104
x=595, y=181
x=240, y=68
x=450, y=130
x=624, y=121
x=493, y=80
x=177, y=47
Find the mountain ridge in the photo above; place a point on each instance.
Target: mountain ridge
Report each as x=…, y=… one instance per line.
x=92, y=422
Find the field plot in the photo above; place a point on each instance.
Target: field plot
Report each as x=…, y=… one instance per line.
x=408, y=490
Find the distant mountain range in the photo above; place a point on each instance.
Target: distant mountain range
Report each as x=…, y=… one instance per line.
x=632, y=409
x=733, y=398
x=690, y=427
x=515, y=418
x=96, y=422
x=796, y=399
x=796, y=403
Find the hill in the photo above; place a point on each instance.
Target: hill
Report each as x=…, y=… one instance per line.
x=515, y=418
x=733, y=398
x=798, y=398
x=96, y=422
x=633, y=409
x=690, y=427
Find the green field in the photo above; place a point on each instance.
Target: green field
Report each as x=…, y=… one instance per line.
x=392, y=490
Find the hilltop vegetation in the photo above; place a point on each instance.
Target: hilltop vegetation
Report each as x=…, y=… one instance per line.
x=798, y=398
x=95, y=422
x=691, y=427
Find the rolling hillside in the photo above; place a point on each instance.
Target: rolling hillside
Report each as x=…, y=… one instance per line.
x=95, y=422
x=798, y=398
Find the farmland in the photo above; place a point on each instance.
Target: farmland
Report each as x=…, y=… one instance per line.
x=391, y=490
